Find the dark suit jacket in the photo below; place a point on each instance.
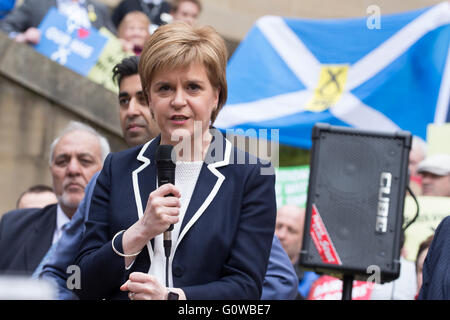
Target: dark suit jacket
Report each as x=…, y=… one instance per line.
x=25, y=237
x=436, y=268
x=225, y=237
x=153, y=12
x=31, y=13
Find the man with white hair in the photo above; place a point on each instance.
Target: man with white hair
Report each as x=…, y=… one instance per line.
x=435, y=171
x=26, y=235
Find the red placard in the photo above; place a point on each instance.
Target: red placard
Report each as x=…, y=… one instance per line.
x=330, y=288
x=322, y=239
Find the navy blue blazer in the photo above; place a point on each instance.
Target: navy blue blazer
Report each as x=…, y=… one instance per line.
x=225, y=237
x=436, y=268
x=25, y=237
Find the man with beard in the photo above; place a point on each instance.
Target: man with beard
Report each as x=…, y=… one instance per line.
x=26, y=235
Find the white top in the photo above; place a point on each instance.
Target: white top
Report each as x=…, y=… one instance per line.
x=186, y=176
x=61, y=220
x=403, y=288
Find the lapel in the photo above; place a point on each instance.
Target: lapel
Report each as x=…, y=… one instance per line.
x=208, y=183
x=206, y=189
x=144, y=179
x=40, y=238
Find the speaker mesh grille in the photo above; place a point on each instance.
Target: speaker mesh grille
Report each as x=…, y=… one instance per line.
x=345, y=183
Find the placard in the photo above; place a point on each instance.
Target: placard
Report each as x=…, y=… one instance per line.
x=291, y=185
x=65, y=42
x=431, y=212
x=111, y=55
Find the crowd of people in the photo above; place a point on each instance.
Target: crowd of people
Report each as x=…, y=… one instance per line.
x=107, y=214
x=132, y=21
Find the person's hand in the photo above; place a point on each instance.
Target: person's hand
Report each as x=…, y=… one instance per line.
x=142, y=286
x=161, y=210
x=31, y=35
x=159, y=214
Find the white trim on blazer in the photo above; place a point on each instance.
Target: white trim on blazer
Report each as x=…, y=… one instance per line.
x=137, y=194
x=212, y=167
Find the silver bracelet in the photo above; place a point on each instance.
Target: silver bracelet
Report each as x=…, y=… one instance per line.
x=119, y=253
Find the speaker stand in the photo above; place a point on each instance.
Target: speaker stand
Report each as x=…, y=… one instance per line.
x=347, y=287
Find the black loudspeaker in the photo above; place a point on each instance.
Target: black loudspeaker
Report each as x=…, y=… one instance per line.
x=354, y=211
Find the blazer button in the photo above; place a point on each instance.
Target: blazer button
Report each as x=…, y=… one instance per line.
x=178, y=271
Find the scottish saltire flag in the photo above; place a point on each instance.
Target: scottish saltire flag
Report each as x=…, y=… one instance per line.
x=288, y=74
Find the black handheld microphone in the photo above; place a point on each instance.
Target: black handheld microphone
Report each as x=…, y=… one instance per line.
x=166, y=174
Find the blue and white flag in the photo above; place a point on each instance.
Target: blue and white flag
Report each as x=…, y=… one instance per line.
x=288, y=74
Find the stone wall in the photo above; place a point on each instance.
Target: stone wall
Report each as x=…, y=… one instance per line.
x=38, y=97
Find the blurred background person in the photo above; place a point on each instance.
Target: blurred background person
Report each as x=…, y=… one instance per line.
x=26, y=235
x=37, y=196
x=21, y=24
x=156, y=10
x=186, y=10
x=435, y=172
x=133, y=31
x=416, y=155
x=420, y=259
x=289, y=229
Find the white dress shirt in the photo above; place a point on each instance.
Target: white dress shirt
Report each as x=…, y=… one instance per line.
x=186, y=176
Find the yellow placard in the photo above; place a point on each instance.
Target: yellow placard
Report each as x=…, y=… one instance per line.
x=112, y=54
x=329, y=89
x=431, y=212
x=438, y=137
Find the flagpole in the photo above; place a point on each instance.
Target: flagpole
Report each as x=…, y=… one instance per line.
x=347, y=287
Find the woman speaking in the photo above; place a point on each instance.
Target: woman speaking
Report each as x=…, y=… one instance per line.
x=222, y=204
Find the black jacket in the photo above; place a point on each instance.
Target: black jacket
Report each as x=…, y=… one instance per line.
x=153, y=12
x=25, y=237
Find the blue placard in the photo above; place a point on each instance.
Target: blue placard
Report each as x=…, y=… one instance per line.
x=65, y=42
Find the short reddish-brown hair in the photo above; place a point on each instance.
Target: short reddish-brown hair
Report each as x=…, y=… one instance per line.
x=178, y=45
